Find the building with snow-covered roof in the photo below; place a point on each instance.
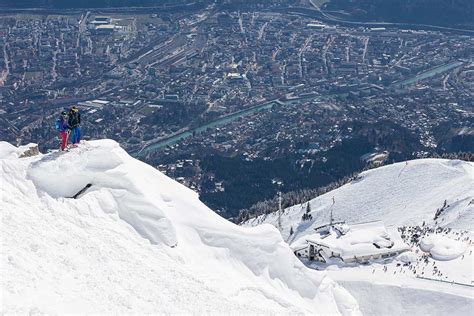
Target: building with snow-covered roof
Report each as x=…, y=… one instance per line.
x=99, y=22
x=352, y=243
x=103, y=18
x=106, y=28
x=94, y=103
x=316, y=25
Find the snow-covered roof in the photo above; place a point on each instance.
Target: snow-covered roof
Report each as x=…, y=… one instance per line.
x=360, y=240
x=105, y=27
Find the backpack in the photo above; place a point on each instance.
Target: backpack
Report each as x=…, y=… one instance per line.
x=59, y=125
x=74, y=119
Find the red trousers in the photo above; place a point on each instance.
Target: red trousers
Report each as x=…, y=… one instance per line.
x=64, y=136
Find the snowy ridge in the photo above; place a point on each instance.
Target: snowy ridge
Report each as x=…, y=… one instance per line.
x=136, y=241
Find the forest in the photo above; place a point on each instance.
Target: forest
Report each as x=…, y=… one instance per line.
x=248, y=182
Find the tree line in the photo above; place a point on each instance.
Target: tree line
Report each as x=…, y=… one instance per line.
x=305, y=195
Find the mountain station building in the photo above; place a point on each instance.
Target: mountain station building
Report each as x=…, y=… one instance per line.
x=357, y=243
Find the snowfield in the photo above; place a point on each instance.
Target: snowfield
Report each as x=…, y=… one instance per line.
x=436, y=277
x=138, y=242
x=398, y=194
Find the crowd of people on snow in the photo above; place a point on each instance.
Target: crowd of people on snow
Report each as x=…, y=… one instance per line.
x=424, y=266
x=68, y=126
x=412, y=235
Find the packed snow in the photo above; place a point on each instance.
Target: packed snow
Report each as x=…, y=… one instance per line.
x=442, y=248
x=406, y=193
x=407, y=257
x=8, y=151
x=138, y=242
x=385, y=298
x=429, y=203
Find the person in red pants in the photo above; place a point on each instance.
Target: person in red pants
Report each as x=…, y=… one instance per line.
x=63, y=128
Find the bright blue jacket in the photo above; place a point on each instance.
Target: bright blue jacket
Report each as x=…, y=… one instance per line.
x=62, y=124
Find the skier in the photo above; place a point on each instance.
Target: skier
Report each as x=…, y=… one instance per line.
x=62, y=127
x=74, y=121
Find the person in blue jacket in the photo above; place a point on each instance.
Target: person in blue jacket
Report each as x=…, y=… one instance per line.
x=74, y=121
x=63, y=128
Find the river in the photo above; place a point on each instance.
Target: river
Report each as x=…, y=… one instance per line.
x=171, y=140
x=429, y=73
x=221, y=121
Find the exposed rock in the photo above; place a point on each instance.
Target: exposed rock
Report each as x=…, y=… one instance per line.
x=31, y=151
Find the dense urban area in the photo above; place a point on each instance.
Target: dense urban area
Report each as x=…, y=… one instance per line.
x=237, y=104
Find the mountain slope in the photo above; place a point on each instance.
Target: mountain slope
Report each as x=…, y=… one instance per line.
x=399, y=194
x=418, y=282
x=136, y=241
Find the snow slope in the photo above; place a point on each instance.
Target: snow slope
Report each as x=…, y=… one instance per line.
x=388, y=289
x=398, y=194
x=138, y=242
x=402, y=194
x=385, y=299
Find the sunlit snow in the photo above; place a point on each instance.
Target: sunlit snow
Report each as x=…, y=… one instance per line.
x=138, y=242
x=435, y=275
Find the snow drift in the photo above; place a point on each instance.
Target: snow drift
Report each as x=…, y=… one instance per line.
x=407, y=257
x=136, y=241
x=442, y=248
x=138, y=203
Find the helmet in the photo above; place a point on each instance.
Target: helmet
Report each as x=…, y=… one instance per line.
x=74, y=108
x=63, y=113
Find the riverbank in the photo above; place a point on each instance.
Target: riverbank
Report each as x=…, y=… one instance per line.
x=428, y=74
x=173, y=139
x=322, y=16
x=185, y=133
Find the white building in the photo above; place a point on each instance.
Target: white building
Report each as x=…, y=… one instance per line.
x=94, y=103
x=351, y=243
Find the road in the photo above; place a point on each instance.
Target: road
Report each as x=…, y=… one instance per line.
x=324, y=17
x=366, y=45
x=6, y=72
x=301, y=52
x=324, y=52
